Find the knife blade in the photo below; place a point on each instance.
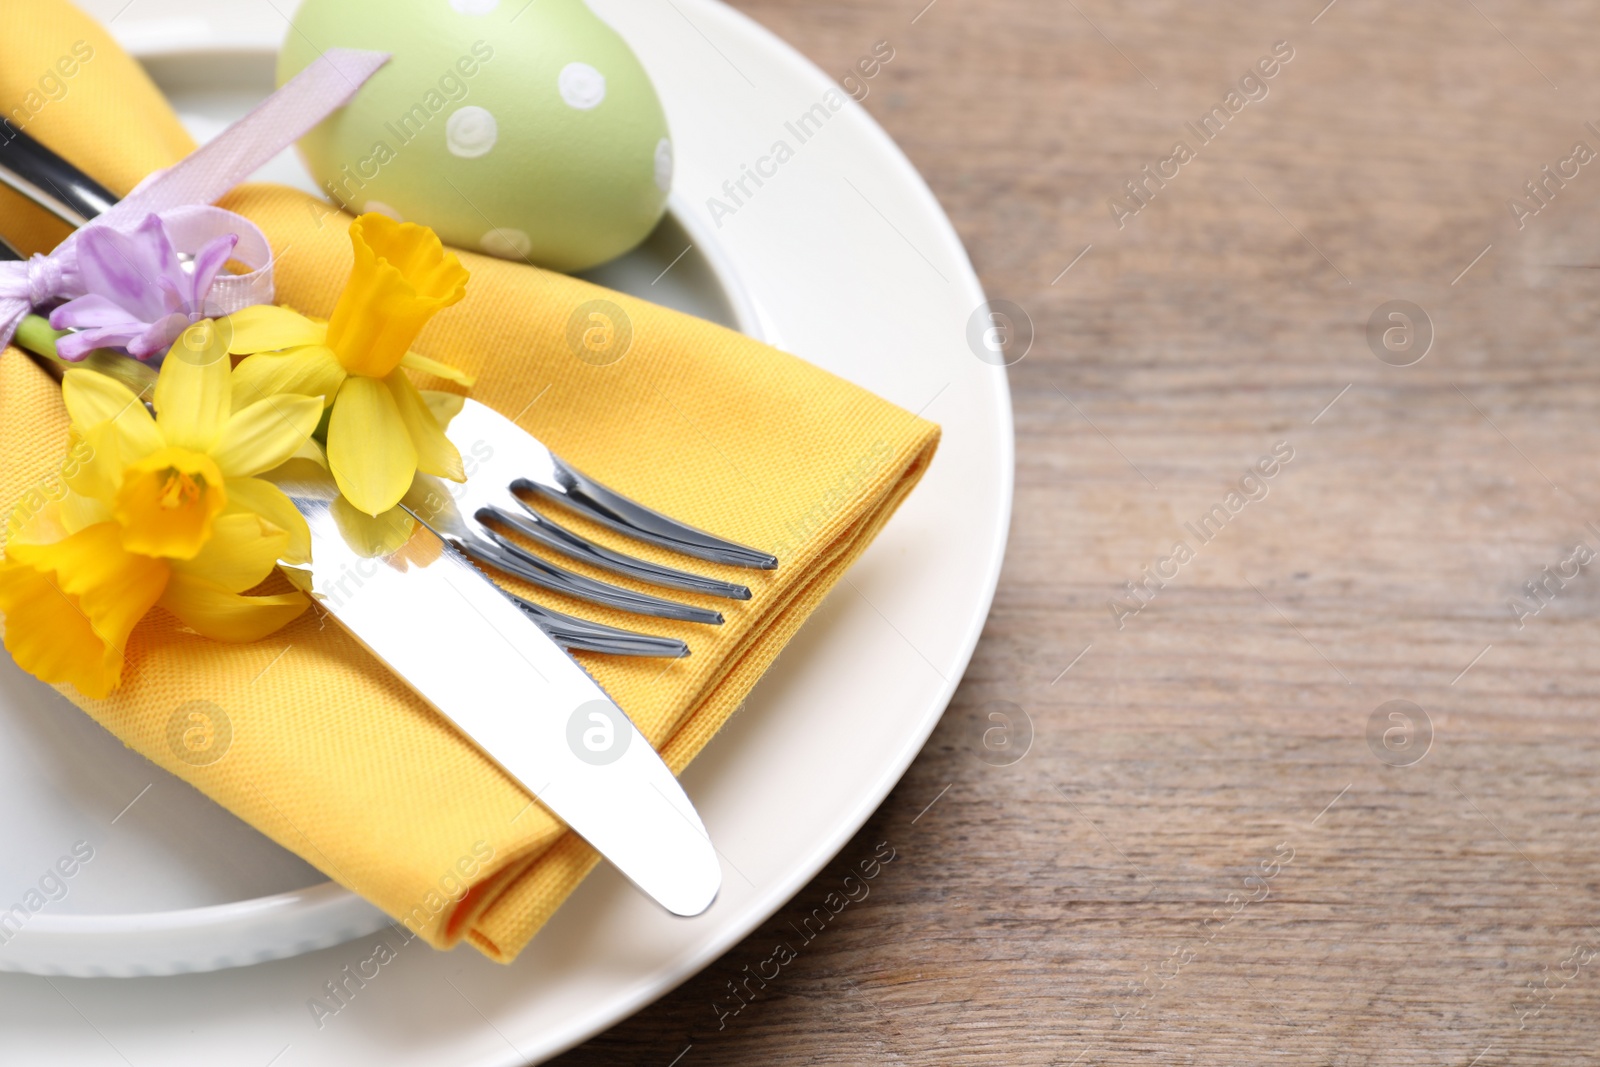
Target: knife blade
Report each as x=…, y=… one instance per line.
x=516, y=694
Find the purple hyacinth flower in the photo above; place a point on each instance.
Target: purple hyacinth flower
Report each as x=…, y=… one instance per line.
x=138, y=296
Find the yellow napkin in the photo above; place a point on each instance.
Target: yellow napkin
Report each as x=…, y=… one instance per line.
x=330, y=755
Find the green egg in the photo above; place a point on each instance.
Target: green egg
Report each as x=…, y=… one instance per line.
x=528, y=130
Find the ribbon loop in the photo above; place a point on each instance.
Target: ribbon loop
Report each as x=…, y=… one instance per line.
x=192, y=228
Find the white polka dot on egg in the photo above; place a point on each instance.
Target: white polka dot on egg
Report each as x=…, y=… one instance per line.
x=507, y=243
x=471, y=132
x=474, y=7
x=664, y=165
x=380, y=208
x=581, y=86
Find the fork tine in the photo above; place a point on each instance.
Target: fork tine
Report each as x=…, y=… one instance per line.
x=551, y=534
x=615, y=511
x=505, y=555
x=582, y=635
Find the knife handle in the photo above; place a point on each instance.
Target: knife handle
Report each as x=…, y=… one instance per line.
x=50, y=181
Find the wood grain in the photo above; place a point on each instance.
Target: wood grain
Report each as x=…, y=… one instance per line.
x=1202, y=860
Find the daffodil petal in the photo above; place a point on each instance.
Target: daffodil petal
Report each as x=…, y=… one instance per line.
x=369, y=450
x=371, y=536
x=79, y=511
x=435, y=454
x=93, y=398
x=38, y=517
x=262, y=498
x=94, y=464
x=225, y=616
x=243, y=549
x=266, y=433
x=70, y=606
x=52, y=638
x=310, y=371
x=193, y=394
x=424, y=365
x=43, y=513
x=313, y=452
x=445, y=406
x=266, y=328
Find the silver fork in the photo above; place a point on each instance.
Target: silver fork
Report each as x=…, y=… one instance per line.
x=507, y=461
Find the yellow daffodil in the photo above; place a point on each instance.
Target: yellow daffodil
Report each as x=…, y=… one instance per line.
x=162, y=510
x=380, y=431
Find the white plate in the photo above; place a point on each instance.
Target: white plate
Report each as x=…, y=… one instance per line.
x=846, y=258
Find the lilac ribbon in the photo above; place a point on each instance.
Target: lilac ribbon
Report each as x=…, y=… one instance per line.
x=180, y=194
x=193, y=227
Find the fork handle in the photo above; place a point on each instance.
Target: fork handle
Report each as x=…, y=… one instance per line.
x=50, y=181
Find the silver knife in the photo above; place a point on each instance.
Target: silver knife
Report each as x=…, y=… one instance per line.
x=444, y=628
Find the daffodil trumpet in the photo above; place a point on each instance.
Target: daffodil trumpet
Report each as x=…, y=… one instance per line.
x=380, y=429
x=156, y=510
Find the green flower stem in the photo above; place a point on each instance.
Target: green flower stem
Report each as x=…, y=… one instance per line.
x=35, y=335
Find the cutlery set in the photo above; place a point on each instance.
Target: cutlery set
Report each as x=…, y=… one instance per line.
x=495, y=664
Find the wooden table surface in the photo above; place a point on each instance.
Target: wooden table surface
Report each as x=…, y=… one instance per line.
x=1225, y=845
